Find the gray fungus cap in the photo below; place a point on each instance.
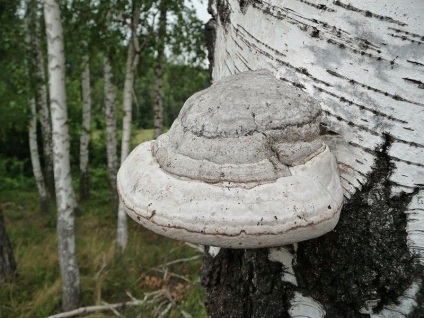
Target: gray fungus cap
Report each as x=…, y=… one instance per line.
x=243, y=166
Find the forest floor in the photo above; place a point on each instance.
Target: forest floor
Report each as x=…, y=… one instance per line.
x=143, y=271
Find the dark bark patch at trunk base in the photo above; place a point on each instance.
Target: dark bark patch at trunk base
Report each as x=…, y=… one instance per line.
x=366, y=257
x=244, y=283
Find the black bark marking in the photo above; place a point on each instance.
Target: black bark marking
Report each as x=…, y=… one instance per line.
x=410, y=34
x=415, y=62
x=367, y=87
x=366, y=256
x=321, y=7
x=244, y=4
x=258, y=41
x=360, y=106
x=405, y=38
x=295, y=84
x=368, y=14
x=350, y=123
x=415, y=82
x=335, y=36
x=242, y=283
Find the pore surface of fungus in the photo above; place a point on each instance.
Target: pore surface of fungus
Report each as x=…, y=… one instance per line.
x=243, y=166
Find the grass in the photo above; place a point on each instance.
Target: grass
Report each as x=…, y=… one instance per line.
x=105, y=275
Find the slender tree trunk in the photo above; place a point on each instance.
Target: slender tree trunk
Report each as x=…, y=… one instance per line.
x=43, y=107
x=65, y=198
x=32, y=127
x=111, y=143
x=132, y=62
x=85, y=130
x=159, y=60
x=7, y=261
x=35, y=158
x=363, y=61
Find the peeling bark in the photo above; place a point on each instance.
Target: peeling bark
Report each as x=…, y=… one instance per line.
x=110, y=118
x=85, y=130
x=65, y=198
x=132, y=62
x=159, y=60
x=363, y=62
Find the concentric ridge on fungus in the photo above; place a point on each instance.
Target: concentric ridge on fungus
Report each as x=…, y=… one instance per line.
x=243, y=166
x=245, y=128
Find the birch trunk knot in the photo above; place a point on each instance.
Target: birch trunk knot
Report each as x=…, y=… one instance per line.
x=243, y=166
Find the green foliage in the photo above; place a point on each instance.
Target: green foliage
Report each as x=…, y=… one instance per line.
x=105, y=275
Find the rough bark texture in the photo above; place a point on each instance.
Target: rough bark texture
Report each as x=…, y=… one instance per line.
x=158, y=88
x=7, y=261
x=132, y=62
x=244, y=283
x=110, y=118
x=65, y=198
x=364, y=63
x=85, y=130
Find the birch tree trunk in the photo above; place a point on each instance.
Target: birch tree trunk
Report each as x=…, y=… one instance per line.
x=32, y=126
x=35, y=158
x=7, y=261
x=85, y=130
x=110, y=118
x=158, y=67
x=364, y=61
x=42, y=105
x=65, y=198
x=132, y=62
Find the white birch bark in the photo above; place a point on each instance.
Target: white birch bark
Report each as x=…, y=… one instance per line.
x=132, y=62
x=42, y=105
x=35, y=158
x=32, y=126
x=364, y=61
x=65, y=198
x=85, y=130
x=159, y=60
x=110, y=119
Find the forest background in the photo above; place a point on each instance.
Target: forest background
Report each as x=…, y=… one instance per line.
x=171, y=67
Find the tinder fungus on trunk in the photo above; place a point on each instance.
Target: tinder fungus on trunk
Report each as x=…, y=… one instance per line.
x=243, y=166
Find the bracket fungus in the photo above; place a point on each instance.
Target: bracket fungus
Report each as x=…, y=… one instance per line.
x=243, y=166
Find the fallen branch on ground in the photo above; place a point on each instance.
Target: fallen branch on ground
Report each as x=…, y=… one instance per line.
x=90, y=309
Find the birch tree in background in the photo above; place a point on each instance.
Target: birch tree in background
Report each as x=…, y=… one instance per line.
x=65, y=198
x=158, y=68
x=110, y=118
x=41, y=96
x=32, y=126
x=85, y=129
x=35, y=157
x=364, y=62
x=132, y=62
